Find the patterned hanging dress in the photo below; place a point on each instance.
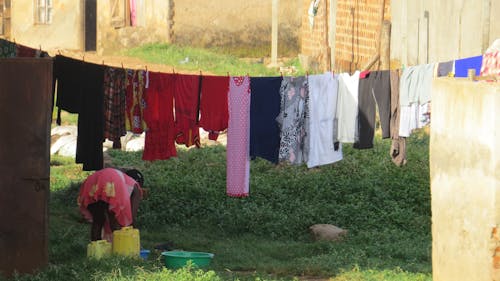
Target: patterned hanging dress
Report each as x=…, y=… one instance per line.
x=238, y=137
x=293, y=120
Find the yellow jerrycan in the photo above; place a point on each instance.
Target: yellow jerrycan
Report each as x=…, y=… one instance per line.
x=98, y=249
x=126, y=242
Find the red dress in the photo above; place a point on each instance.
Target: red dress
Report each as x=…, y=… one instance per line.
x=111, y=186
x=186, y=109
x=213, y=106
x=158, y=114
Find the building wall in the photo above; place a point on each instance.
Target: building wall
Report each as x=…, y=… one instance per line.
x=357, y=26
x=153, y=26
x=433, y=31
x=465, y=183
x=315, y=52
x=242, y=23
x=65, y=31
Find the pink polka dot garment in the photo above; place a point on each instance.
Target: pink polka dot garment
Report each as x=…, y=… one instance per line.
x=238, y=137
x=491, y=64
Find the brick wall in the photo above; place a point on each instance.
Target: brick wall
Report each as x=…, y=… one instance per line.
x=357, y=30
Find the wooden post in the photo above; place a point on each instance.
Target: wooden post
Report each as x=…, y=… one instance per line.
x=332, y=32
x=486, y=22
x=379, y=35
x=274, y=35
x=385, y=46
x=404, y=32
x=170, y=21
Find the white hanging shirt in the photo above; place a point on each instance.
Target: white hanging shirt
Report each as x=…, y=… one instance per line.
x=322, y=124
x=347, y=107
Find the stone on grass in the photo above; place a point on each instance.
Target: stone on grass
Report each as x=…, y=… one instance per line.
x=135, y=144
x=69, y=148
x=327, y=232
x=67, y=141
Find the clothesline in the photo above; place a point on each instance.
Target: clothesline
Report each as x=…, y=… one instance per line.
x=298, y=120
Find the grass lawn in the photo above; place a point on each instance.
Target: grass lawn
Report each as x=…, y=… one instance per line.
x=211, y=61
x=385, y=208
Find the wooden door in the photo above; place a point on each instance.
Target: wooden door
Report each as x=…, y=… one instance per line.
x=25, y=111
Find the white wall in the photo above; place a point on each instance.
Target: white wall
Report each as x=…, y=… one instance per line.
x=465, y=183
x=455, y=29
x=65, y=31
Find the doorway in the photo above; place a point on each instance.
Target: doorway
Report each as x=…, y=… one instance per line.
x=90, y=25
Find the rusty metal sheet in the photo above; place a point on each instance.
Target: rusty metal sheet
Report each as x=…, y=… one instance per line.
x=25, y=113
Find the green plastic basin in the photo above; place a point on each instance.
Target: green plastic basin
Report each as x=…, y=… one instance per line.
x=178, y=259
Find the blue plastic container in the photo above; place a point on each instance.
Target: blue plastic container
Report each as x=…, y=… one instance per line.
x=145, y=254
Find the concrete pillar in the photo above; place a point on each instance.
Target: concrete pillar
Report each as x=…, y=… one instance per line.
x=332, y=32
x=274, y=37
x=465, y=180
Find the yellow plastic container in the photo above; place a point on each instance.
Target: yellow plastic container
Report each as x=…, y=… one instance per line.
x=98, y=249
x=126, y=242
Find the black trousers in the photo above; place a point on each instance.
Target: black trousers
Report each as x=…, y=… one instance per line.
x=374, y=90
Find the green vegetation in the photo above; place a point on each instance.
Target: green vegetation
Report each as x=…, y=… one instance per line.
x=265, y=236
x=385, y=208
x=211, y=61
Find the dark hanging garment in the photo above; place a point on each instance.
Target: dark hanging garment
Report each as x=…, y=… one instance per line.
x=68, y=73
x=374, y=90
x=264, y=108
x=91, y=117
x=444, y=68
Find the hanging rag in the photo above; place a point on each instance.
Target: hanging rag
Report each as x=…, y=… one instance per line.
x=312, y=12
x=398, y=144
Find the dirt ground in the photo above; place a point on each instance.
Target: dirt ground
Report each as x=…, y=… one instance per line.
x=119, y=61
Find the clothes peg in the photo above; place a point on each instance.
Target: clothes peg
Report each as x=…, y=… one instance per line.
x=122, y=65
x=281, y=72
x=102, y=62
x=228, y=74
x=83, y=58
x=59, y=51
x=201, y=74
